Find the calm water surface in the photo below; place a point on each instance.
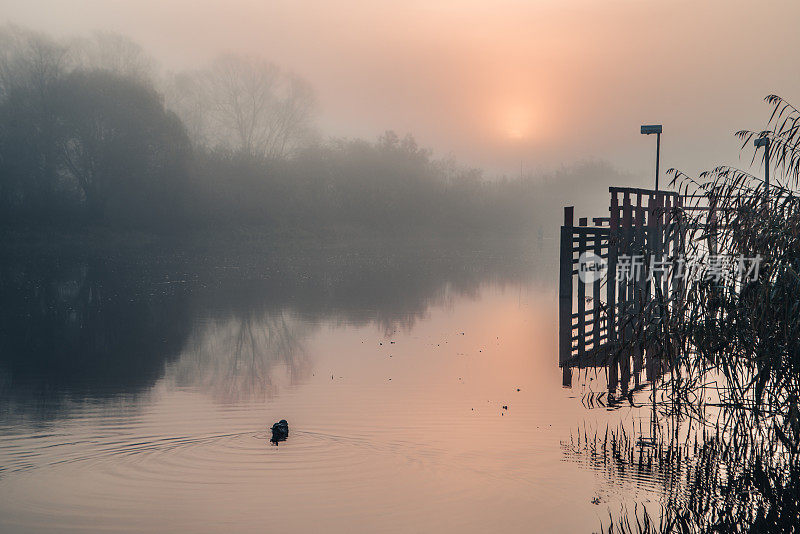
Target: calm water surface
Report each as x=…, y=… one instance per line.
x=137, y=395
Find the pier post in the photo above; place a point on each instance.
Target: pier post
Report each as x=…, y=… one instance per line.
x=582, y=239
x=596, y=289
x=565, y=289
x=611, y=285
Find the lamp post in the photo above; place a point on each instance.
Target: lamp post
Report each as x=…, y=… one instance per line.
x=764, y=141
x=648, y=129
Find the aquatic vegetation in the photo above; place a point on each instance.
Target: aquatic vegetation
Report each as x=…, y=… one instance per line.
x=729, y=345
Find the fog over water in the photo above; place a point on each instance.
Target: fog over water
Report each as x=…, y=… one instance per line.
x=345, y=218
x=421, y=388
x=500, y=85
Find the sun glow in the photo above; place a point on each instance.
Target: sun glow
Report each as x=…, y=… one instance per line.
x=516, y=123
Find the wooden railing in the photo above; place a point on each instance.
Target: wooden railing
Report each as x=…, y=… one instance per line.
x=595, y=317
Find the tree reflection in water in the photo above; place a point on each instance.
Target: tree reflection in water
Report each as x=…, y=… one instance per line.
x=82, y=325
x=237, y=359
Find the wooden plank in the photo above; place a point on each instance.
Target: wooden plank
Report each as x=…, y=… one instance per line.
x=611, y=285
x=565, y=290
x=680, y=252
x=596, y=300
x=624, y=287
x=665, y=246
x=581, y=297
x=566, y=377
x=712, y=223
x=589, y=230
x=638, y=191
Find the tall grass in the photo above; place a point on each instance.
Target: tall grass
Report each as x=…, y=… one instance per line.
x=729, y=345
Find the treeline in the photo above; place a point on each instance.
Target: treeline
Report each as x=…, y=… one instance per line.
x=91, y=134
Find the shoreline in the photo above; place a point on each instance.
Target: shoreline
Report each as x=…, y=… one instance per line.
x=120, y=241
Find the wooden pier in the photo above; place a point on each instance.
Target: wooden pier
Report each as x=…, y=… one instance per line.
x=600, y=320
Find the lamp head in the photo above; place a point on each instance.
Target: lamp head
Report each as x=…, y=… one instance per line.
x=648, y=129
x=761, y=141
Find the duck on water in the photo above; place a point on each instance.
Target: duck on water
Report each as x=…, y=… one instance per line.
x=280, y=431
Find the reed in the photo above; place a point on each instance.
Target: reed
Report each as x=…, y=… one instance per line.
x=729, y=347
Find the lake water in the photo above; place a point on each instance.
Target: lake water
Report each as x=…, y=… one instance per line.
x=136, y=395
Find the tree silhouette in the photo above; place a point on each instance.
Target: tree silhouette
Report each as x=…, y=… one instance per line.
x=120, y=145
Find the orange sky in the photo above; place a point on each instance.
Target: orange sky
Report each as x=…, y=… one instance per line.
x=496, y=83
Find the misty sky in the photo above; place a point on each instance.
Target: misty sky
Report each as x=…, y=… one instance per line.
x=497, y=84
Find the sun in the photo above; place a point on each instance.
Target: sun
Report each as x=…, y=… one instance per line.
x=516, y=123
x=516, y=133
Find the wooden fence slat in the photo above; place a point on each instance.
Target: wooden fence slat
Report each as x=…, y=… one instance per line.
x=611, y=280
x=565, y=290
x=581, y=297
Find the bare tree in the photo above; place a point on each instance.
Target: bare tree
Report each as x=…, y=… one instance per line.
x=28, y=60
x=246, y=104
x=115, y=53
x=184, y=96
